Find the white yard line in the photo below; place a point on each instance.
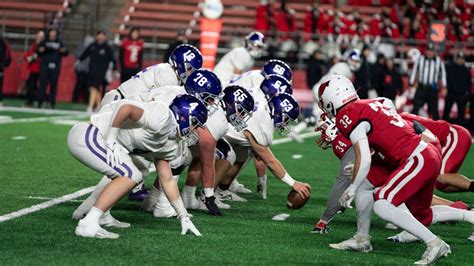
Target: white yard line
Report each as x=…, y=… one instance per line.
x=41, y=111
x=44, y=119
x=82, y=192
x=48, y=198
x=46, y=204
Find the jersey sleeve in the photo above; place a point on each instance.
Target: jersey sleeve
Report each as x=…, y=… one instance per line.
x=340, y=146
x=241, y=59
x=217, y=124
x=164, y=75
x=348, y=119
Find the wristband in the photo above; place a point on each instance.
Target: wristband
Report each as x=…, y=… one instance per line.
x=288, y=180
x=113, y=133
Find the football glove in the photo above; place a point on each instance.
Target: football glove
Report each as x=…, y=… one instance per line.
x=187, y=225
x=349, y=170
x=114, y=153
x=347, y=197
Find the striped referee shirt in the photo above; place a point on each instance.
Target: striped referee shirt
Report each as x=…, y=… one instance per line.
x=428, y=71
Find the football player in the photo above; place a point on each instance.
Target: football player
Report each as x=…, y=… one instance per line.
x=258, y=136
x=241, y=59
x=416, y=164
x=343, y=149
x=151, y=130
x=253, y=79
x=183, y=61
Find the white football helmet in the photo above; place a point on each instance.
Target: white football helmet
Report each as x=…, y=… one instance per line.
x=335, y=93
x=327, y=127
x=353, y=58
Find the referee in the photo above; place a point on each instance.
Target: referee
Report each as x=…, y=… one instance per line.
x=427, y=72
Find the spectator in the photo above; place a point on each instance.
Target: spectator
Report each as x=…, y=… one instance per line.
x=312, y=18
x=82, y=71
x=459, y=87
x=377, y=74
x=392, y=84
x=427, y=72
x=180, y=39
x=131, y=55
x=286, y=21
x=34, y=62
x=5, y=60
x=316, y=68
x=362, y=76
x=50, y=50
x=265, y=21
x=100, y=54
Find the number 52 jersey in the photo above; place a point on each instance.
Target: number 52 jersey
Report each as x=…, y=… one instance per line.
x=389, y=134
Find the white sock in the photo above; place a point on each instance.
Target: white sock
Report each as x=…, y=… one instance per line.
x=189, y=191
x=364, y=202
x=402, y=219
x=93, y=216
x=443, y=213
x=208, y=192
x=179, y=208
x=262, y=179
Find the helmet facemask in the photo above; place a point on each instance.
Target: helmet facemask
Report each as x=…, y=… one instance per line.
x=328, y=131
x=284, y=128
x=240, y=117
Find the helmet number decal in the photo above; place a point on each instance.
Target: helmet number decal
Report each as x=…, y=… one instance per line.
x=189, y=55
x=192, y=106
x=239, y=95
x=279, y=70
x=277, y=85
x=287, y=106
x=200, y=79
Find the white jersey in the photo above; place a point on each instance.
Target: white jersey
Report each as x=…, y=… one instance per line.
x=155, y=138
x=238, y=59
x=165, y=94
x=260, y=124
x=248, y=80
x=216, y=123
x=150, y=78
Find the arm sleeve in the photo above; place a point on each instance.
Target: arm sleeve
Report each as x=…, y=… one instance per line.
x=86, y=52
x=413, y=72
x=359, y=136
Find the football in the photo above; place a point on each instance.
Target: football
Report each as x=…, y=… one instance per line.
x=295, y=201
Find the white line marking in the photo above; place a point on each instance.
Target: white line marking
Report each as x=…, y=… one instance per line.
x=41, y=111
x=43, y=119
x=48, y=198
x=46, y=204
x=88, y=190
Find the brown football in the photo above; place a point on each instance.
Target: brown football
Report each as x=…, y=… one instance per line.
x=295, y=201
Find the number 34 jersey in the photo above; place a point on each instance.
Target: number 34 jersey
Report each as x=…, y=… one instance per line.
x=389, y=134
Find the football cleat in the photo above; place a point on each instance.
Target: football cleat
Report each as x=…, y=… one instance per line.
x=320, y=228
x=140, y=195
x=163, y=208
x=211, y=206
x=471, y=238
x=403, y=237
x=435, y=250
x=237, y=187
x=228, y=195
x=108, y=220
x=93, y=231
x=220, y=204
x=356, y=243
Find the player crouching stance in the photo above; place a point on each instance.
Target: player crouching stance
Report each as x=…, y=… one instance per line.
x=151, y=130
x=368, y=125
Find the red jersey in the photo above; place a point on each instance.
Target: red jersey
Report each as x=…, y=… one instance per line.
x=340, y=146
x=132, y=53
x=389, y=134
x=439, y=128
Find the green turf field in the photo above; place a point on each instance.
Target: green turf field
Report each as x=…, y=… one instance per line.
x=41, y=166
